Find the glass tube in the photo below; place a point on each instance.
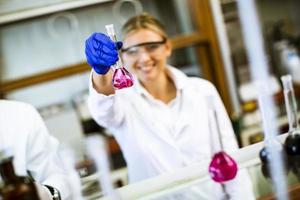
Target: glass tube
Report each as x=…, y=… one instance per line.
x=222, y=167
x=290, y=104
x=292, y=142
x=121, y=78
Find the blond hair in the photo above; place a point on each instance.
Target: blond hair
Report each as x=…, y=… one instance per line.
x=144, y=21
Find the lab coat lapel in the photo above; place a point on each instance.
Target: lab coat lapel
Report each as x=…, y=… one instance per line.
x=186, y=106
x=152, y=124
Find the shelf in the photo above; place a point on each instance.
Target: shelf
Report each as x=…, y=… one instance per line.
x=257, y=129
x=278, y=99
x=11, y=85
x=40, y=11
x=224, y=2
x=188, y=40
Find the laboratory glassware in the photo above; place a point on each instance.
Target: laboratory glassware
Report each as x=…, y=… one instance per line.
x=121, y=77
x=14, y=187
x=265, y=156
x=292, y=142
x=222, y=167
x=259, y=69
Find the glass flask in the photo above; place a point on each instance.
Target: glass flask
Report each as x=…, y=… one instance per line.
x=265, y=156
x=222, y=167
x=292, y=142
x=14, y=187
x=121, y=77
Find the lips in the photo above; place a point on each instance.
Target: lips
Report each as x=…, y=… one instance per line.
x=147, y=68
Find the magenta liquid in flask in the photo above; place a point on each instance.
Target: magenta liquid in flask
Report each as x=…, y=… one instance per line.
x=121, y=78
x=222, y=167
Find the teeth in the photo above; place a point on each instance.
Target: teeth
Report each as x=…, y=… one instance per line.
x=146, y=68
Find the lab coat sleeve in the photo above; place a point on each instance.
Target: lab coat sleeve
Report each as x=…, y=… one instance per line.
x=105, y=110
x=42, y=160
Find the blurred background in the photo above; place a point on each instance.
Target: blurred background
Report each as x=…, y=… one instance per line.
x=42, y=61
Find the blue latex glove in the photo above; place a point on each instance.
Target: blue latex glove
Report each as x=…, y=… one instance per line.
x=101, y=52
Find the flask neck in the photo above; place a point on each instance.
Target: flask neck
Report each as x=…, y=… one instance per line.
x=7, y=171
x=216, y=136
x=119, y=63
x=291, y=108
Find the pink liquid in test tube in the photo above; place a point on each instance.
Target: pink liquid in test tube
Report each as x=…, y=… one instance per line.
x=121, y=78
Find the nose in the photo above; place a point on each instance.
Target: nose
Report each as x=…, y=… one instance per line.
x=143, y=56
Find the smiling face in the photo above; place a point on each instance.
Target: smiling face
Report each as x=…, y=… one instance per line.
x=146, y=54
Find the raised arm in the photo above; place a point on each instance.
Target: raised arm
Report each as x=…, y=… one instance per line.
x=103, y=83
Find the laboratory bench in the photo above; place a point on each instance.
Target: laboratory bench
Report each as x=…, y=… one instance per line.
x=187, y=182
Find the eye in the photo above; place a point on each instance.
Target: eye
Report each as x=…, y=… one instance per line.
x=152, y=47
x=132, y=51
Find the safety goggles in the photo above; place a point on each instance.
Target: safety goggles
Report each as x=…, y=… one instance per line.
x=149, y=47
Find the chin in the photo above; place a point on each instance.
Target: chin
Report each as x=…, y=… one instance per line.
x=144, y=78
x=151, y=76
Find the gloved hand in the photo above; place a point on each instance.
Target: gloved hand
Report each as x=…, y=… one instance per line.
x=101, y=52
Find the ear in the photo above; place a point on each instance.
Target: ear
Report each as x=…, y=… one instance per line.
x=168, y=47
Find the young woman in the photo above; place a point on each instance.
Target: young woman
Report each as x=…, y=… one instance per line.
x=161, y=122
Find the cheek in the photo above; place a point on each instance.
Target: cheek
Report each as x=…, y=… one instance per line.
x=126, y=61
x=162, y=59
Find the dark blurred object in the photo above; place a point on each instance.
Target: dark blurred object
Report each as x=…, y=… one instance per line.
x=258, y=137
x=265, y=171
x=86, y=167
x=277, y=40
x=236, y=121
x=118, y=183
x=117, y=159
x=292, y=145
x=294, y=164
x=265, y=157
x=89, y=178
x=90, y=126
x=15, y=187
x=265, y=154
x=283, y=48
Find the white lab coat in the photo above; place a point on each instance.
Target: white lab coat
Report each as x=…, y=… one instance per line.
x=23, y=130
x=155, y=137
